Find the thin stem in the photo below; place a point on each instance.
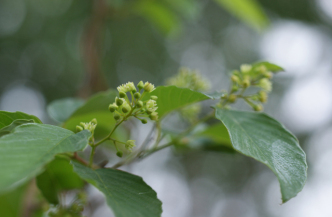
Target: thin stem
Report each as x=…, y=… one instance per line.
x=78, y=158
x=110, y=134
x=93, y=146
x=140, y=154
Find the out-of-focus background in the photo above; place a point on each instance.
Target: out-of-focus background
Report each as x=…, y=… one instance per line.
x=74, y=48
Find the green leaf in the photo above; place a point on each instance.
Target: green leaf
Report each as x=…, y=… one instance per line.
x=61, y=110
x=95, y=107
x=218, y=133
x=171, y=98
x=8, y=129
x=127, y=194
x=216, y=94
x=6, y=118
x=249, y=11
x=58, y=176
x=11, y=202
x=25, y=151
x=261, y=137
x=269, y=66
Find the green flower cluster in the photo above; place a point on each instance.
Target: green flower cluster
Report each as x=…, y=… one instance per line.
x=188, y=78
x=192, y=79
x=250, y=76
x=123, y=107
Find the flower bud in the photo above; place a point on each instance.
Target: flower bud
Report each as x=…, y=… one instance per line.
x=258, y=107
x=153, y=116
x=265, y=84
x=124, y=110
x=235, y=79
x=232, y=98
x=122, y=95
x=235, y=88
x=137, y=95
x=118, y=101
x=245, y=68
x=112, y=107
x=262, y=96
x=94, y=121
x=79, y=128
x=119, y=153
x=144, y=121
x=268, y=75
x=116, y=116
x=139, y=104
x=140, y=85
x=262, y=69
x=154, y=98
x=148, y=87
x=125, y=107
x=246, y=83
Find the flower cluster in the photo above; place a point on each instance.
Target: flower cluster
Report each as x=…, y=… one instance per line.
x=91, y=126
x=123, y=107
x=192, y=79
x=189, y=79
x=250, y=76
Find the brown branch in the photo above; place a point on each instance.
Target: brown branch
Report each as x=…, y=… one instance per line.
x=94, y=79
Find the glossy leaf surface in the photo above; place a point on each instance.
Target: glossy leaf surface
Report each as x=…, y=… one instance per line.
x=261, y=137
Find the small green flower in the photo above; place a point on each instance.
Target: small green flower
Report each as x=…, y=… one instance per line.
x=91, y=126
x=148, y=87
x=265, y=84
x=151, y=106
x=130, y=144
x=245, y=68
x=131, y=86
